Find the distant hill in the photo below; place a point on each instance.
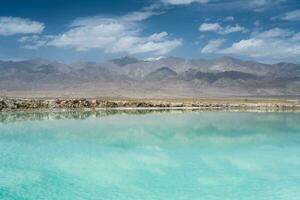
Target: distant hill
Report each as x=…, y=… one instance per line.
x=164, y=77
x=124, y=60
x=160, y=74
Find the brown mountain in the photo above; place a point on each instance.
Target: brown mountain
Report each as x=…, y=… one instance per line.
x=166, y=77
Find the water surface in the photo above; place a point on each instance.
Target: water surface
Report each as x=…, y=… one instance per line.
x=155, y=155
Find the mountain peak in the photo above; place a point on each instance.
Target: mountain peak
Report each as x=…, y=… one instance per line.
x=124, y=60
x=39, y=61
x=229, y=58
x=161, y=73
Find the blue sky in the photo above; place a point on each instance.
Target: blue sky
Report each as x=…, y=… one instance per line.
x=70, y=31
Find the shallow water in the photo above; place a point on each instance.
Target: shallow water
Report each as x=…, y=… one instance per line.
x=150, y=155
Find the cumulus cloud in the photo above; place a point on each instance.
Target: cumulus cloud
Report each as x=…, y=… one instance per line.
x=16, y=25
x=112, y=35
x=233, y=29
x=289, y=16
x=210, y=27
x=274, y=44
x=217, y=28
x=213, y=46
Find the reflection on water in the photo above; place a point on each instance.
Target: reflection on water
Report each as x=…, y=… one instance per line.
x=146, y=154
x=6, y=117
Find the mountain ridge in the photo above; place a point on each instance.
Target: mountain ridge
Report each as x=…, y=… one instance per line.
x=170, y=76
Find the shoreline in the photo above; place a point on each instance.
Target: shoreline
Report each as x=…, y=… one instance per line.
x=8, y=104
x=82, y=114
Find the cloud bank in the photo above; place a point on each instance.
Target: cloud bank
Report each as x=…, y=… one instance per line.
x=15, y=25
x=111, y=35
x=274, y=44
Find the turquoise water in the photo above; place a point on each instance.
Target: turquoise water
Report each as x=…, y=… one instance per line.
x=154, y=155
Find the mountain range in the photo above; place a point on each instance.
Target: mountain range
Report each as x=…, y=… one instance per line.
x=155, y=78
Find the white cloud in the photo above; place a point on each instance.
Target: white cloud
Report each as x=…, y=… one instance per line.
x=210, y=27
x=272, y=45
x=184, y=2
x=273, y=33
x=262, y=3
x=296, y=37
x=249, y=47
x=233, y=29
x=259, y=2
x=132, y=17
x=228, y=18
x=212, y=46
x=34, y=42
x=155, y=58
x=16, y=25
x=216, y=27
x=289, y=16
x=113, y=35
x=138, y=15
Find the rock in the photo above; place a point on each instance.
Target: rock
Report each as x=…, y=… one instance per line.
x=110, y=104
x=82, y=103
x=3, y=104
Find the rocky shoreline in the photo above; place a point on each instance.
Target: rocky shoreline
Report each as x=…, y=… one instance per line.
x=17, y=104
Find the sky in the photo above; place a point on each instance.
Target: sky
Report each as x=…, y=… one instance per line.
x=92, y=30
